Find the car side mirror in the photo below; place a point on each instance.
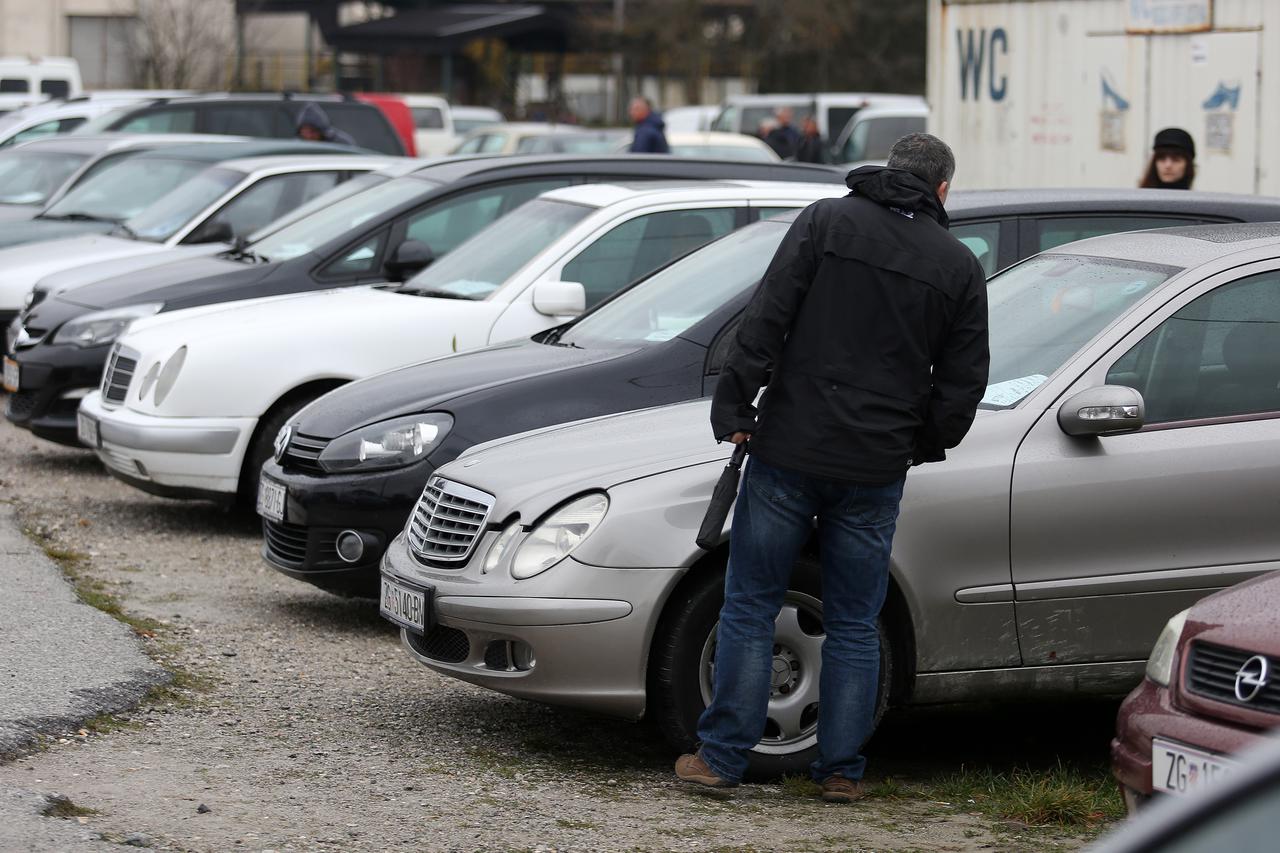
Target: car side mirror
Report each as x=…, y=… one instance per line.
x=213, y=231
x=559, y=298
x=1104, y=410
x=410, y=257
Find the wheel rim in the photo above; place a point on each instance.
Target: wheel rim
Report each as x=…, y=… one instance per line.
x=797, y=666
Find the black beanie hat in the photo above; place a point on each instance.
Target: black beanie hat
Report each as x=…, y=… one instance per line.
x=1176, y=138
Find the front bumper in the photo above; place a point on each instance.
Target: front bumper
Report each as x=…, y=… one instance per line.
x=172, y=457
x=52, y=382
x=318, y=507
x=574, y=635
x=1149, y=712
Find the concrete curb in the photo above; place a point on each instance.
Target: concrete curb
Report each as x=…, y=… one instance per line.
x=61, y=661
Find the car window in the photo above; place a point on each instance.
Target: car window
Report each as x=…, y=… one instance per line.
x=442, y=226
x=428, y=118
x=161, y=121
x=1218, y=356
x=161, y=220
x=358, y=260
x=126, y=189
x=492, y=143
x=55, y=88
x=366, y=125
x=727, y=120
x=30, y=177
x=12, y=85
x=271, y=198
x=837, y=118
x=39, y=131
x=344, y=190
x=641, y=245
x=1059, y=231
x=873, y=138
x=472, y=145
x=983, y=239
x=263, y=121
x=466, y=125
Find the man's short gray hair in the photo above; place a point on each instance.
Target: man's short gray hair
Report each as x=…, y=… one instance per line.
x=925, y=156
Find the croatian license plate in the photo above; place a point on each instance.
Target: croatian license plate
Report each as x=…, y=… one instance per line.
x=1178, y=769
x=11, y=372
x=87, y=430
x=405, y=605
x=271, y=497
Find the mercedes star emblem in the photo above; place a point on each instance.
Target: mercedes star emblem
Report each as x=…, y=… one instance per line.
x=1252, y=677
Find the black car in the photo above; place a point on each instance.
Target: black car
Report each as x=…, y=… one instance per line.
x=388, y=231
x=123, y=188
x=266, y=116
x=661, y=341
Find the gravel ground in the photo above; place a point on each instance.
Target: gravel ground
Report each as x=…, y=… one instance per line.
x=298, y=723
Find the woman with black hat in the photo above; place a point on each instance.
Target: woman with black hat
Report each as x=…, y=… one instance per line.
x=1173, y=161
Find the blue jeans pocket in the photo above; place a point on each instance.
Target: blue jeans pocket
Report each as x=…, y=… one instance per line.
x=771, y=484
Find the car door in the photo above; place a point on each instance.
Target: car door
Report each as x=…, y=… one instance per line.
x=1110, y=536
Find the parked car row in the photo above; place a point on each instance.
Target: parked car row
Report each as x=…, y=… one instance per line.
x=477, y=390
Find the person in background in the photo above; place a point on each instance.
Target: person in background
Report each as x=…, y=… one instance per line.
x=1173, y=161
x=650, y=135
x=314, y=125
x=765, y=128
x=812, y=147
x=784, y=139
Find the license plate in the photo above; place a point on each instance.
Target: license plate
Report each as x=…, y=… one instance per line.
x=271, y=497
x=1178, y=769
x=405, y=605
x=10, y=374
x=87, y=430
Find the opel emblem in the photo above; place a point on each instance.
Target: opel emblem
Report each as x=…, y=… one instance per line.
x=1252, y=677
x=282, y=442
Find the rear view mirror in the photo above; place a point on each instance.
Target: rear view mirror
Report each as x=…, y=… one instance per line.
x=213, y=231
x=1104, y=410
x=559, y=298
x=409, y=258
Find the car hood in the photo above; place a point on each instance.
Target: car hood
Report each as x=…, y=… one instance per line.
x=186, y=279
x=430, y=385
x=39, y=230
x=106, y=268
x=1245, y=616
x=18, y=212
x=27, y=264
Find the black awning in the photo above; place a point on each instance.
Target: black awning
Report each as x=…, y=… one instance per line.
x=445, y=29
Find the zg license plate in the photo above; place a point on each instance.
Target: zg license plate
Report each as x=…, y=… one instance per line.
x=1178, y=769
x=405, y=606
x=87, y=430
x=271, y=497
x=11, y=372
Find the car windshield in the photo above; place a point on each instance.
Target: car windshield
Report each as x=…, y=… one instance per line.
x=1044, y=311
x=676, y=297
x=463, y=126
x=482, y=263
x=307, y=235
x=125, y=189
x=161, y=220
x=344, y=190
x=102, y=123
x=30, y=177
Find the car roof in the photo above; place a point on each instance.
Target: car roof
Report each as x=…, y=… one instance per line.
x=310, y=161
x=713, y=137
x=1182, y=246
x=974, y=204
x=658, y=192
x=219, y=97
x=201, y=151
x=449, y=169
x=99, y=142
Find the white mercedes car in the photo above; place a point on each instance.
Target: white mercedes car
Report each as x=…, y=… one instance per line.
x=192, y=401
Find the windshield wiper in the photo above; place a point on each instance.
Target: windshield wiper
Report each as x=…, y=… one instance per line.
x=76, y=217
x=239, y=251
x=124, y=228
x=438, y=294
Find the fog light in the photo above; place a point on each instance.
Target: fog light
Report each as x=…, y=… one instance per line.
x=350, y=546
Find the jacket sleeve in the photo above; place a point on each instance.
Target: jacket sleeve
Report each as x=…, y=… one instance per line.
x=959, y=376
x=760, y=336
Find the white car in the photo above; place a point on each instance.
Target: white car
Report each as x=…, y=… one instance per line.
x=192, y=401
x=438, y=125
x=52, y=118
x=714, y=145
x=869, y=135
x=229, y=199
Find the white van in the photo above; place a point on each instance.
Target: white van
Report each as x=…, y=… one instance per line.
x=438, y=127
x=869, y=135
x=36, y=79
x=833, y=110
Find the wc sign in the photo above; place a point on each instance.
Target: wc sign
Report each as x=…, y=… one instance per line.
x=982, y=54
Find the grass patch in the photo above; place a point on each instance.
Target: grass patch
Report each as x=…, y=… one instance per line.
x=800, y=786
x=1063, y=796
x=90, y=590
x=62, y=807
x=565, y=823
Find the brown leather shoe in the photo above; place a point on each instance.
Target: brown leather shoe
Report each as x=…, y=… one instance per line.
x=691, y=768
x=837, y=789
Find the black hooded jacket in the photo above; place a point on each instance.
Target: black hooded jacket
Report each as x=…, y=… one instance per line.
x=873, y=319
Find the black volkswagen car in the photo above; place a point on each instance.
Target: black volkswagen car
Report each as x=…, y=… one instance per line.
x=386, y=232
x=661, y=341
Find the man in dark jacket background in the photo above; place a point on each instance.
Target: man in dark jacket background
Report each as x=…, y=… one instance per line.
x=313, y=124
x=873, y=321
x=650, y=132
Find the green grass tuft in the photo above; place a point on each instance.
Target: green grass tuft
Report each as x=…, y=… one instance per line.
x=62, y=807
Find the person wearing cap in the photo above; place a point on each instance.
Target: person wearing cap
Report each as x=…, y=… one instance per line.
x=1173, y=161
x=314, y=125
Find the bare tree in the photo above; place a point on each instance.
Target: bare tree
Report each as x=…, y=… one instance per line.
x=182, y=44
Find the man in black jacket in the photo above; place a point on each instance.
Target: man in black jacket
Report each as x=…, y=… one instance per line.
x=873, y=320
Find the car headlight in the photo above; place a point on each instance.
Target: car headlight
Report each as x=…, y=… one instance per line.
x=103, y=327
x=555, y=537
x=1160, y=664
x=168, y=375
x=390, y=444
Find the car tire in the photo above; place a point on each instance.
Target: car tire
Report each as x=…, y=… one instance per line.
x=262, y=447
x=679, y=676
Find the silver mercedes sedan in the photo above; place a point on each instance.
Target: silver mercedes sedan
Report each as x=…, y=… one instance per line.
x=1124, y=463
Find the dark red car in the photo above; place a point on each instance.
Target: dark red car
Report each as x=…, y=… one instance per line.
x=1212, y=689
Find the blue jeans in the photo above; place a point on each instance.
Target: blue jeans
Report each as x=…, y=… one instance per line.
x=772, y=521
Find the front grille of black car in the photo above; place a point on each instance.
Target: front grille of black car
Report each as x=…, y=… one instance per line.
x=21, y=405
x=1211, y=673
x=442, y=643
x=287, y=544
x=303, y=454
x=447, y=522
x=119, y=373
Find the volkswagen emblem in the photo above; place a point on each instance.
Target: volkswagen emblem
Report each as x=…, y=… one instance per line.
x=282, y=441
x=1252, y=677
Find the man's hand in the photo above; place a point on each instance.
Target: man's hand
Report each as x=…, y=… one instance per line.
x=739, y=437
